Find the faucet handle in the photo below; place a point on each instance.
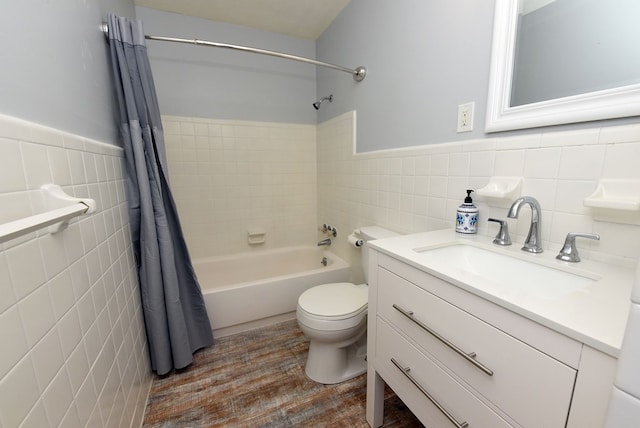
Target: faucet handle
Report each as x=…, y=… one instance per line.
x=502, y=238
x=569, y=251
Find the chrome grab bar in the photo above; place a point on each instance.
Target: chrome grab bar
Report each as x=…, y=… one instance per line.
x=469, y=357
x=405, y=371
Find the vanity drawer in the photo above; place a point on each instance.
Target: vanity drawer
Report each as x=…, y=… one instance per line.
x=417, y=381
x=531, y=387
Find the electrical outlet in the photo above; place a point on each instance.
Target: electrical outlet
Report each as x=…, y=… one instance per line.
x=465, y=117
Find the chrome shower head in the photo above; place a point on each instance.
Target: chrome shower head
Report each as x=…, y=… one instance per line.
x=316, y=105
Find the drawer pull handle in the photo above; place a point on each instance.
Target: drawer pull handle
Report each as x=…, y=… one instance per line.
x=469, y=357
x=405, y=371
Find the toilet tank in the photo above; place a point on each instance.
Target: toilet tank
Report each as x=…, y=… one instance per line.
x=370, y=233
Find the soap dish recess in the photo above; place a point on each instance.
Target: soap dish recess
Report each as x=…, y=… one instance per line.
x=256, y=236
x=501, y=188
x=615, y=195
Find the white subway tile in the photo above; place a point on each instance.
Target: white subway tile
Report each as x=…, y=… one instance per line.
x=544, y=190
x=26, y=268
x=57, y=398
x=88, y=234
x=45, y=135
x=571, y=194
x=59, y=165
x=6, y=289
x=459, y=164
x=70, y=332
x=18, y=393
x=100, y=168
x=563, y=223
x=77, y=367
x=437, y=208
x=481, y=164
x=86, y=313
x=72, y=239
x=62, y=296
x=73, y=142
x=440, y=165
x=34, y=165
x=14, y=207
x=542, y=163
x=76, y=167
x=37, y=417
x=13, y=128
x=519, y=142
x=14, y=343
x=13, y=174
x=620, y=134
x=187, y=128
x=37, y=315
x=618, y=239
x=438, y=186
x=89, y=161
x=622, y=161
x=170, y=127
x=39, y=319
x=86, y=402
x=571, y=138
x=54, y=253
x=47, y=358
x=422, y=165
x=456, y=188
x=72, y=420
x=509, y=163
x=421, y=186
x=581, y=162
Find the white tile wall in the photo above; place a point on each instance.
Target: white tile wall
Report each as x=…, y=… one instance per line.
x=73, y=344
x=231, y=176
x=418, y=189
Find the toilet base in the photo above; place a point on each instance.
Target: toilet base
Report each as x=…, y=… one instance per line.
x=329, y=365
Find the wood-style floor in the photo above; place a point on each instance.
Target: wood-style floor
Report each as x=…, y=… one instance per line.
x=257, y=379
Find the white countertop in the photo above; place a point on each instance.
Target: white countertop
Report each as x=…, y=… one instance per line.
x=595, y=316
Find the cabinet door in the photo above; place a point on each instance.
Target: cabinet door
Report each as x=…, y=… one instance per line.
x=531, y=387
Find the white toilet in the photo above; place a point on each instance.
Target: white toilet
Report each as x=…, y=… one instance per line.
x=334, y=318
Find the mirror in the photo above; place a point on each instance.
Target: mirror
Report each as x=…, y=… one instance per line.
x=563, y=61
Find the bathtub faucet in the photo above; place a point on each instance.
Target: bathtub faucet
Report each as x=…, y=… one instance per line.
x=325, y=242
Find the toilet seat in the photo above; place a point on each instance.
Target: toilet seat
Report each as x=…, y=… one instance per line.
x=333, y=306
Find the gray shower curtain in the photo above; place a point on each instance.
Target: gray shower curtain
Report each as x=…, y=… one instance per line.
x=175, y=318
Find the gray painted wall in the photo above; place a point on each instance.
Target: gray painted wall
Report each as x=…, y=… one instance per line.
x=54, y=65
x=217, y=83
x=424, y=58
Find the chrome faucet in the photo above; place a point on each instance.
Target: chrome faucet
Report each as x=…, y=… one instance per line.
x=502, y=238
x=325, y=242
x=532, y=243
x=569, y=251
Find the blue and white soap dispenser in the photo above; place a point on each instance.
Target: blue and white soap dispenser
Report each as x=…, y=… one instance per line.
x=467, y=216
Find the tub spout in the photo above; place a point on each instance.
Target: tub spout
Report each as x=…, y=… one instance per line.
x=324, y=242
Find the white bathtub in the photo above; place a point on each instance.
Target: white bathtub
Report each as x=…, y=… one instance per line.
x=248, y=290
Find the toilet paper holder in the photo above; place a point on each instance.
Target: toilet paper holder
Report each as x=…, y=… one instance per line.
x=354, y=239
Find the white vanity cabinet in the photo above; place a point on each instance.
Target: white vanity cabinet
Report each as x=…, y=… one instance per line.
x=456, y=359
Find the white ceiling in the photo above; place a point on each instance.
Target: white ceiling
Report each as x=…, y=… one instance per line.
x=299, y=18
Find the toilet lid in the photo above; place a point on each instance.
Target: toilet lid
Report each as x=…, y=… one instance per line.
x=340, y=299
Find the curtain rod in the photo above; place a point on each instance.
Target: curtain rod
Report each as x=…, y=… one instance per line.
x=358, y=73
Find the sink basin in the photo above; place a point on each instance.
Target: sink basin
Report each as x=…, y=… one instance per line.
x=501, y=272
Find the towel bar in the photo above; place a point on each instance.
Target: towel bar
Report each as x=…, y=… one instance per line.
x=61, y=209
